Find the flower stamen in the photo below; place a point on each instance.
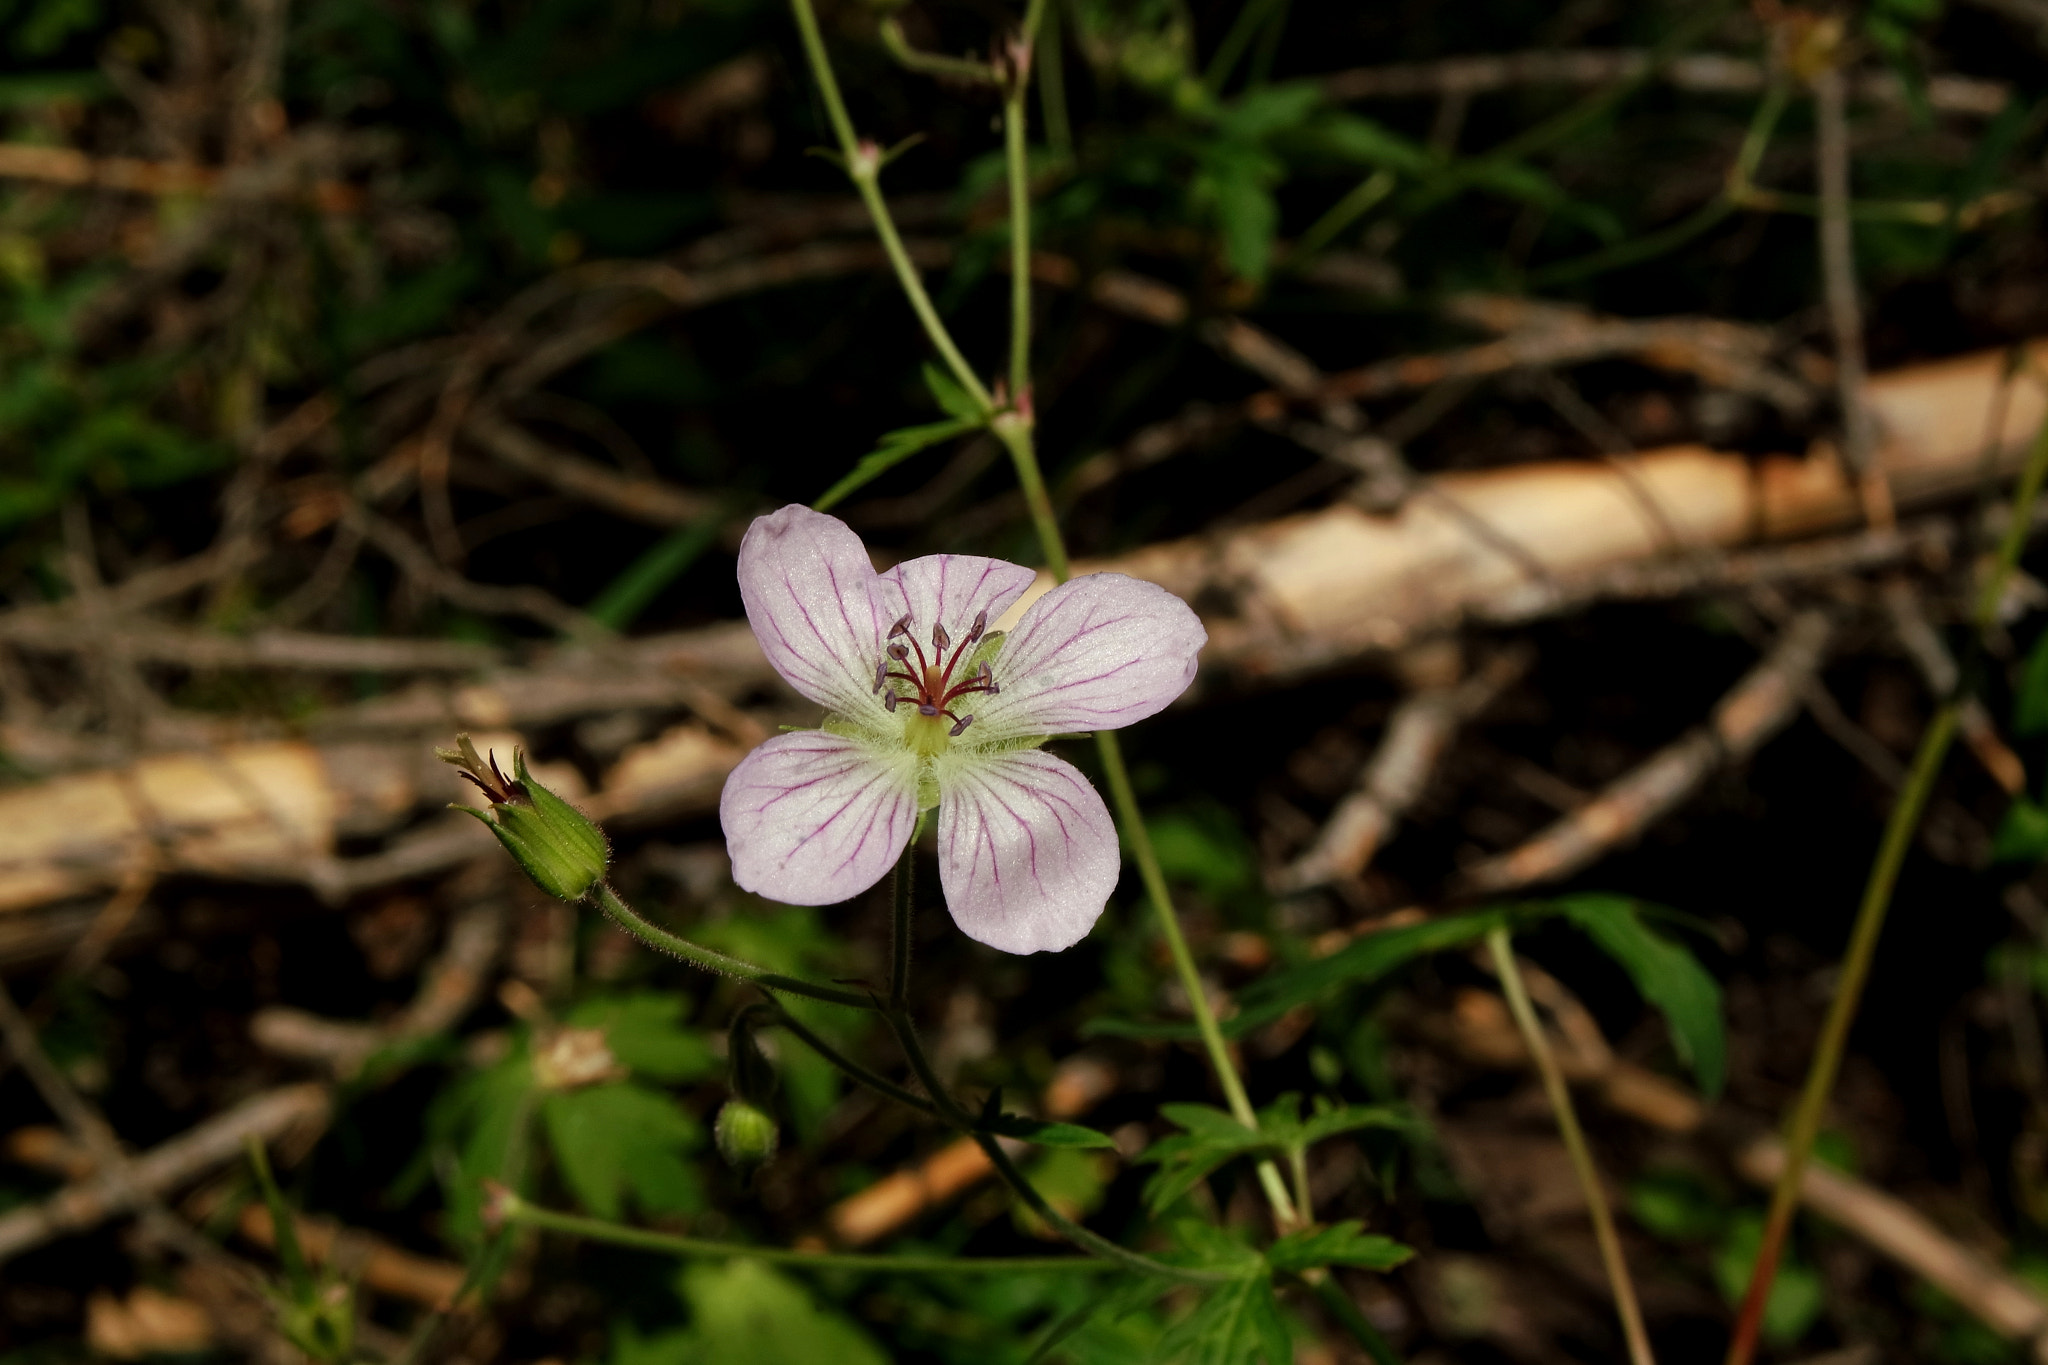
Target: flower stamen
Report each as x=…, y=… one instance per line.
x=932, y=685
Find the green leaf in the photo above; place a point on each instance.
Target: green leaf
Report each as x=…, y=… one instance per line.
x=747, y=1313
x=2022, y=835
x=646, y=1035
x=1048, y=1134
x=1366, y=960
x=1676, y=1205
x=1211, y=1125
x=953, y=400
x=2030, y=710
x=1187, y=1159
x=896, y=447
x=1237, y=1323
x=1344, y=1243
x=609, y=1140
x=1350, y=1118
x=1349, y=138
x=1668, y=976
x=1239, y=181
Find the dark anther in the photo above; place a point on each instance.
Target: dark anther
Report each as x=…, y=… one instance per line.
x=889, y=700
x=980, y=624
x=899, y=652
x=881, y=674
x=960, y=725
x=925, y=708
x=902, y=625
x=941, y=640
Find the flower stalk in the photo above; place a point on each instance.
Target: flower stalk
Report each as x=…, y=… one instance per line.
x=1560, y=1096
x=1015, y=429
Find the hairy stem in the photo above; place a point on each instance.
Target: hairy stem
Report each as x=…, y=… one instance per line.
x=1575, y=1141
x=661, y=940
x=881, y=1085
x=863, y=165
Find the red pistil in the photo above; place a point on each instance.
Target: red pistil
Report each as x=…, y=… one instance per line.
x=936, y=688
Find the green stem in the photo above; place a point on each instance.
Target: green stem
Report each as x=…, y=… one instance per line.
x=1017, y=161
x=1017, y=157
x=863, y=166
x=950, y=1111
x=663, y=941
x=1139, y=841
x=932, y=63
x=513, y=1209
x=902, y=923
x=1870, y=916
x=1736, y=193
x=1575, y=1142
x=873, y=1081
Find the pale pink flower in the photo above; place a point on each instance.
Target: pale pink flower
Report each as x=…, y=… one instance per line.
x=928, y=708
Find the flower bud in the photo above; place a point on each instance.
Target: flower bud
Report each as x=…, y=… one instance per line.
x=746, y=1135
x=560, y=847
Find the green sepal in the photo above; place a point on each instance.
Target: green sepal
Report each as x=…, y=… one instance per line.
x=560, y=847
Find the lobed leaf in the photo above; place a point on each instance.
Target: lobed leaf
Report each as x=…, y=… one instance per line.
x=1345, y=1243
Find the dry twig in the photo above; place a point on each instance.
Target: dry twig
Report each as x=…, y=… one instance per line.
x=1417, y=735
x=1754, y=710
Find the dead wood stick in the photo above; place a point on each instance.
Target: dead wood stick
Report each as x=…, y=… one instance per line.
x=1419, y=732
x=450, y=986
x=1695, y=72
x=87, y=1203
x=652, y=501
x=1930, y=654
x=53, y=630
x=1998, y=1300
x=1755, y=709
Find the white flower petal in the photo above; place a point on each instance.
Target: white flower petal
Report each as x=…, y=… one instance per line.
x=811, y=598
x=1095, y=653
x=812, y=818
x=948, y=590
x=1027, y=851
